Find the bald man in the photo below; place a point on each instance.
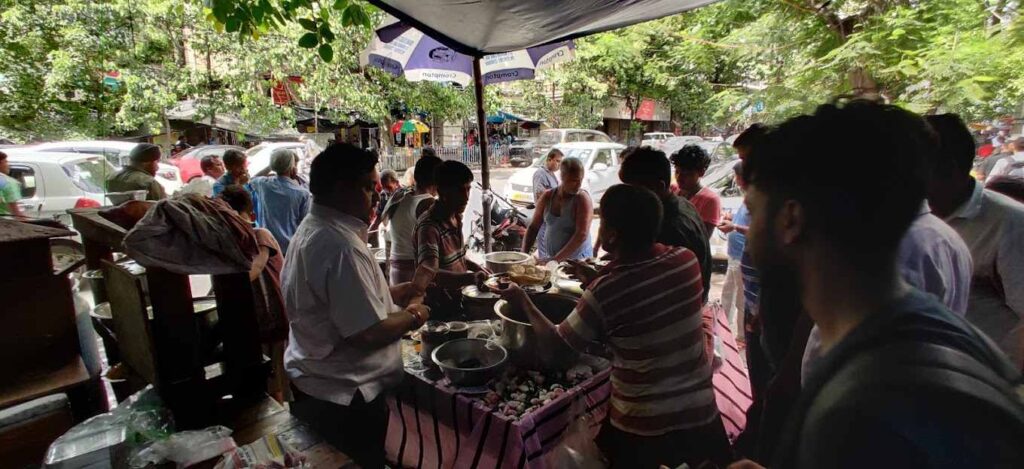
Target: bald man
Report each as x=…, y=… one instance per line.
x=282, y=201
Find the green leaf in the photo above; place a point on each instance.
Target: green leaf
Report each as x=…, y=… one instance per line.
x=359, y=17
x=308, y=41
x=340, y=4
x=347, y=16
x=326, y=33
x=308, y=24
x=326, y=52
x=984, y=79
x=232, y=25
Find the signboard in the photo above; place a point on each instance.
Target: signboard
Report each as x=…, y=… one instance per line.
x=649, y=110
x=281, y=94
x=112, y=79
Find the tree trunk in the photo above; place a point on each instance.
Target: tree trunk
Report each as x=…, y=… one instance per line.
x=167, y=130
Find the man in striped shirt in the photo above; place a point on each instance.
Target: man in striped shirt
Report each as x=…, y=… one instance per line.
x=646, y=307
x=442, y=268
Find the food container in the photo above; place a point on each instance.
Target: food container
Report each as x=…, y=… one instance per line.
x=518, y=337
x=479, y=304
x=457, y=330
x=470, y=362
x=499, y=262
x=432, y=335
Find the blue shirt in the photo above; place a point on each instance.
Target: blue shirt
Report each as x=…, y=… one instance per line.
x=738, y=240
x=226, y=180
x=283, y=205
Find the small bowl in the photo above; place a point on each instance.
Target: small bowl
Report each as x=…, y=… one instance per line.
x=470, y=362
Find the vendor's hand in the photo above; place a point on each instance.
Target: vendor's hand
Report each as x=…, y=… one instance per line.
x=513, y=293
x=581, y=271
x=726, y=226
x=404, y=293
x=421, y=311
x=479, y=278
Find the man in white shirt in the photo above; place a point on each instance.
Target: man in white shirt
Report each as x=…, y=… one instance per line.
x=992, y=225
x=1013, y=165
x=213, y=169
x=343, y=351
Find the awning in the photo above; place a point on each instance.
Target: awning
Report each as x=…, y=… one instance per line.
x=478, y=28
x=225, y=120
x=501, y=117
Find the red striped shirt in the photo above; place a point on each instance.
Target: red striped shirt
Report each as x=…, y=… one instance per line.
x=649, y=313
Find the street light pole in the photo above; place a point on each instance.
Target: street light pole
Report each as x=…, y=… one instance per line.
x=485, y=172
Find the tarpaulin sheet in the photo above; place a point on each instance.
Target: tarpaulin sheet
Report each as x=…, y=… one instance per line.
x=488, y=27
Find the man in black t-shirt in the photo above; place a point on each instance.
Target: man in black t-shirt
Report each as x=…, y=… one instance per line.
x=681, y=225
x=903, y=382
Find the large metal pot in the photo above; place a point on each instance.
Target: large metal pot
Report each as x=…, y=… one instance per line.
x=519, y=338
x=478, y=304
x=499, y=262
x=470, y=362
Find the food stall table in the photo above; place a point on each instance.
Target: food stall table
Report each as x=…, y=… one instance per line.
x=432, y=425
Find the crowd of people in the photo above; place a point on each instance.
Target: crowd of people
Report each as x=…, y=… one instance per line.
x=880, y=308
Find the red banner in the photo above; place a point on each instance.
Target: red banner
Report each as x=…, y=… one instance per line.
x=646, y=110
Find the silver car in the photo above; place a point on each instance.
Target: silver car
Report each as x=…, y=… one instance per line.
x=116, y=153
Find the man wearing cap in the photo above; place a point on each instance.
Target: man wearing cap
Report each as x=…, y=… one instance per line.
x=283, y=201
x=139, y=174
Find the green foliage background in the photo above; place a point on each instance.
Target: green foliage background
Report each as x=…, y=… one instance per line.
x=719, y=67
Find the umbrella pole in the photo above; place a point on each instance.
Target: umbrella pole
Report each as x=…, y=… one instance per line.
x=485, y=172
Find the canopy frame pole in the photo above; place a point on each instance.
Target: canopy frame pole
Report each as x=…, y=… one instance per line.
x=485, y=171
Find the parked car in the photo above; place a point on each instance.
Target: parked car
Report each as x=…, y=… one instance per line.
x=259, y=156
x=673, y=144
x=655, y=139
x=188, y=160
x=723, y=182
x=551, y=137
x=116, y=153
x=52, y=183
x=600, y=159
x=520, y=152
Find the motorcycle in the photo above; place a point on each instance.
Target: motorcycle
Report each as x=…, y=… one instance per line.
x=508, y=225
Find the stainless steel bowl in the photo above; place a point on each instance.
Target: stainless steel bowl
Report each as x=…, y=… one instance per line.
x=518, y=336
x=470, y=362
x=499, y=262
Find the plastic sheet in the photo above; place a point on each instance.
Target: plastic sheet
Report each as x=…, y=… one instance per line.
x=140, y=419
x=187, y=448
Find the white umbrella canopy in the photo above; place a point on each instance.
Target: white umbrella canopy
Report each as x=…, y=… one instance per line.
x=418, y=57
x=482, y=27
x=492, y=26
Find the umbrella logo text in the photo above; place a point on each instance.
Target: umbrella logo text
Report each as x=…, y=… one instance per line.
x=441, y=54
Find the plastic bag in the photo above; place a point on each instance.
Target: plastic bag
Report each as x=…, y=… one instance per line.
x=187, y=448
x=268, y=452
x=577, y=450
x=139, y=419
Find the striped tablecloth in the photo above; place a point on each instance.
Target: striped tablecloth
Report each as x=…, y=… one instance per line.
x=732, y=384
x=430, y=426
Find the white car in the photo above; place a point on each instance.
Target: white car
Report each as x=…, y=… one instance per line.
x=259, y=156
x=673, y=144
x=52, y=183
x=600, y=160
x=116, y=153
x=723, y=182
x=655, y=139
x=551, y=137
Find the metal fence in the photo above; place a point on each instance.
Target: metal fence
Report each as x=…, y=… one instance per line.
x=399, y=159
